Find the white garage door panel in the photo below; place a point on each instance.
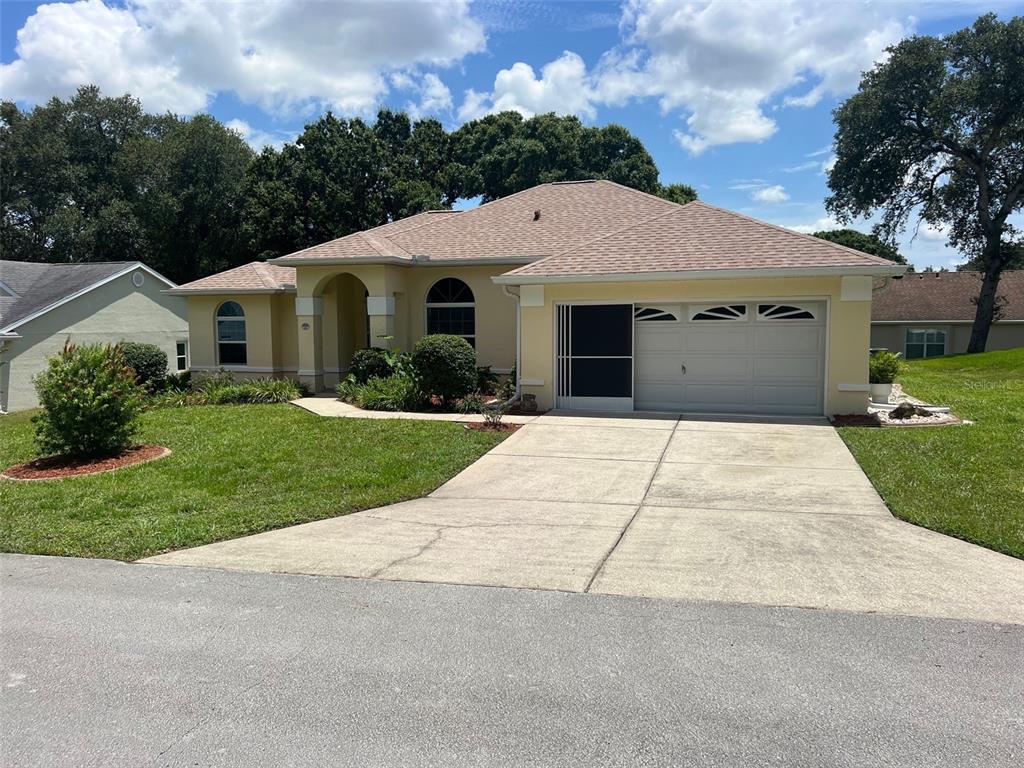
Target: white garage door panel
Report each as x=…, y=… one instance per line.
x=752, y=364
x=783, y=336
x=724, y=368
x=787, y=395
x=717, y=340
x=787, y=368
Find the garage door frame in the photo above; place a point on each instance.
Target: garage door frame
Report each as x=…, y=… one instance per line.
x=824, y=299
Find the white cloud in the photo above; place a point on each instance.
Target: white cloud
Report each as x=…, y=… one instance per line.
x=257, y=138
x=824, y=223
x=808, y=166
x=773, y=194
x=722, y=62
x=286, y=56
x=434, y=97
x=828, y=164
x=761, y=191
x=563, y=87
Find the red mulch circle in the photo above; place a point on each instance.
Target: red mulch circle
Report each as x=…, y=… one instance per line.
x=483, y=427
x=57, y=467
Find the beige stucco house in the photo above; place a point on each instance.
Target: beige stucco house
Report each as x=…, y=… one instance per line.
x=926, y=314
x=607, y=297
x=44, y=305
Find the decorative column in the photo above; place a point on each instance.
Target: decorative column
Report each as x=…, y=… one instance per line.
x=381, y=311
x=309, y=311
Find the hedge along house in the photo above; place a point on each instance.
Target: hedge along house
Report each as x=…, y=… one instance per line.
x=609, y=298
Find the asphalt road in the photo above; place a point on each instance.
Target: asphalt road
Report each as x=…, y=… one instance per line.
x=112, y=664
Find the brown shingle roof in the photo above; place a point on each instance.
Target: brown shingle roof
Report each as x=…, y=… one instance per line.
x=254, y=276
x=571, y=213
x=698, y=237
x=936, y=296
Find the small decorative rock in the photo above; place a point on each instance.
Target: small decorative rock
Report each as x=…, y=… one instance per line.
x=908, y=410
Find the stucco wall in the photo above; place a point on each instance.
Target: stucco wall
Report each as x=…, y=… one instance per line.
x=495, y=311
x=893, y=336
x=116, y=311
x=847, y=346
x=266, y=322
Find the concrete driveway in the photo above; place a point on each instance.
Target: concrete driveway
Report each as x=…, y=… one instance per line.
x=751, y=510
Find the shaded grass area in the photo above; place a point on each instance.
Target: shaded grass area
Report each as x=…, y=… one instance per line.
x=234, y=470
x=965, y=481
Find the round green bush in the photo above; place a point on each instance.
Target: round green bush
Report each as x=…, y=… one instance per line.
x=90, y=402
x=445, y=366
x=148, y=361
x=372, y=363
x=884, y=367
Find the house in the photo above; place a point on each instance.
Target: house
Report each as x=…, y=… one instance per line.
x=43, y=305
x=607, y=297
x=924, y=314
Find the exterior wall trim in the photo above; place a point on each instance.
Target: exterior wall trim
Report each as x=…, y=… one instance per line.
x=703, y=274
x=225, y=291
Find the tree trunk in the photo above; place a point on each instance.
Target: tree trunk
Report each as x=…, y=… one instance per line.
x=986, y=310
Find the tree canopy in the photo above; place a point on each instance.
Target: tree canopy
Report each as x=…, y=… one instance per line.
x=937, y=132
x=94, y=178
x=860, y=241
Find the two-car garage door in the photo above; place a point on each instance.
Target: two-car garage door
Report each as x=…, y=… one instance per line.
x=742, y=357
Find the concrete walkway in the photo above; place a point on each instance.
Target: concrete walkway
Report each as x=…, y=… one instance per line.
x=739, y=510
x=334, y=408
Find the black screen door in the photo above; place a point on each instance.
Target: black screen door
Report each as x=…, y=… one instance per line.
x=595, y=356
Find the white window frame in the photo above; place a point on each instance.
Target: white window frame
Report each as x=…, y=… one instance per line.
x=785, y=318
x=216, y=333
x=178, y=358
x=925, y=344
x=428, y=305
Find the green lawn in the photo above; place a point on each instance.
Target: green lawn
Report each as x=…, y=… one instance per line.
x=235, y=470
x=965, y=481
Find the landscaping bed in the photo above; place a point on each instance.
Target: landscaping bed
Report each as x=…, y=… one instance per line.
x=233, y=471
x=964, y=481
x=59, y=467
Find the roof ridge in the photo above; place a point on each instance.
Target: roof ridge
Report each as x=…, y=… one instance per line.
x=789, y=231
x=379, y=243
x=645, y=194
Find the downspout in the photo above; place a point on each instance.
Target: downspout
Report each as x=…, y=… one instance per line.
x=518, y=361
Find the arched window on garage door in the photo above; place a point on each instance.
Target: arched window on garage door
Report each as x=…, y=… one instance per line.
x=451, y=308
x=231, y=340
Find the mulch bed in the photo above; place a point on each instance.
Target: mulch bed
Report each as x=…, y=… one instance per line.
x=856, y=420
x=482, y=427
x=57, y=467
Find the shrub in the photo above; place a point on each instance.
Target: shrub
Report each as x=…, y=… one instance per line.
x=371, y=363
x=884, y=367
x=268, y=390
x=90, y=402
x=486, y=380
x=179, y=382
x=400, y=392
x=149, y=363
x=472, y=403
x=445, y=365
x=507, y=388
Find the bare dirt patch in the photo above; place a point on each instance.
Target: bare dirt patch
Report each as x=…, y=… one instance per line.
x=58, y=467
x=483, y=427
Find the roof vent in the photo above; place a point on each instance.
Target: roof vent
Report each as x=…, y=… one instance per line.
x=536, y=215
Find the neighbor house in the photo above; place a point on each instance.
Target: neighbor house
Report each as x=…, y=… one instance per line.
x=44, y=305
x=925, y=314
x=602, y=296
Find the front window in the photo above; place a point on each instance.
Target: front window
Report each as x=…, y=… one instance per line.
x=451, y=309
x=231, y=334
x=925, y=342
x=181, y=356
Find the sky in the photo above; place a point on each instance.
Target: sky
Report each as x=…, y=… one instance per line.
x=734, y=98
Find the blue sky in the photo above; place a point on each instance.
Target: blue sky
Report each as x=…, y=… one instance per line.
x=734, y=97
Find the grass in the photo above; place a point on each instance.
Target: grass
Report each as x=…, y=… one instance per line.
x=234, y=470
x=965, y=481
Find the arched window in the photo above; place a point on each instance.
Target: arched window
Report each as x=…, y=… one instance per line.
x=231, y=334
x=451, y=309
